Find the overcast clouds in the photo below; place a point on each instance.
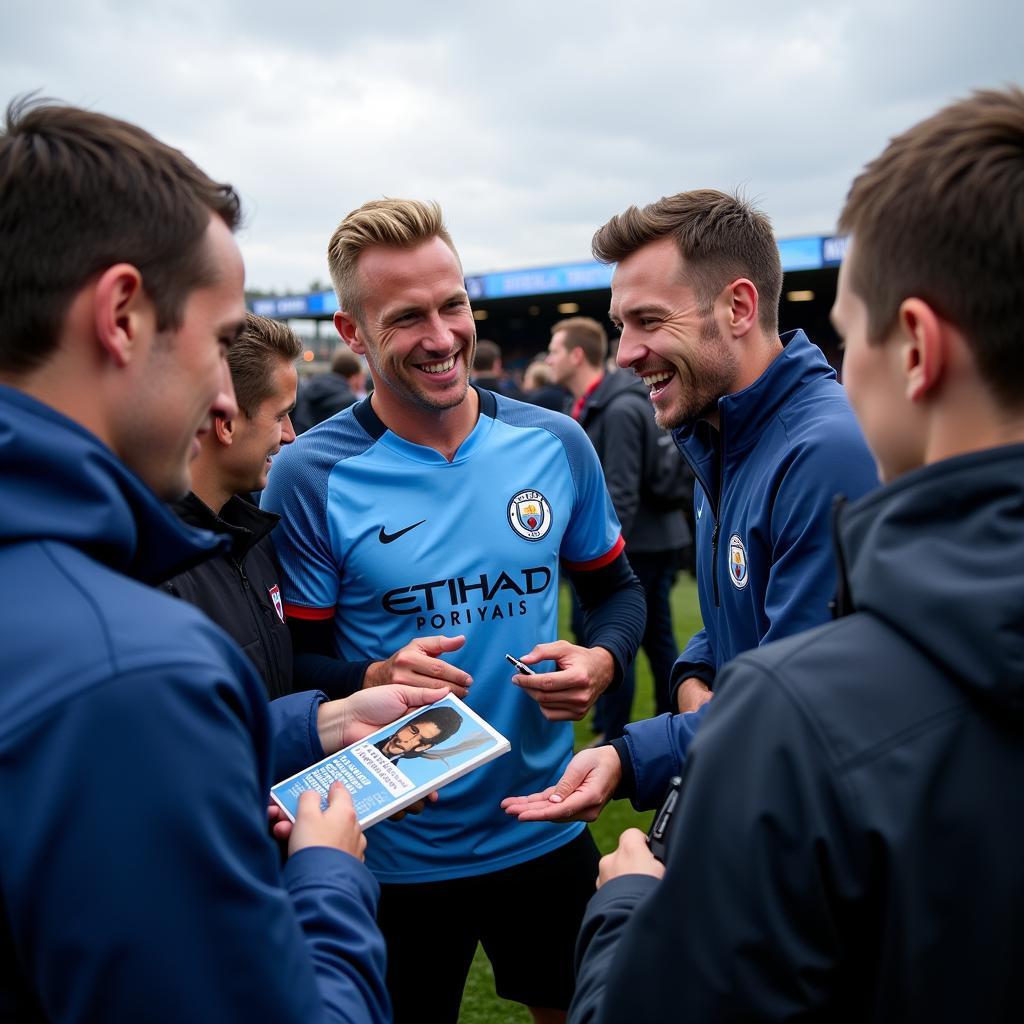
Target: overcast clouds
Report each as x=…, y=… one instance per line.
x=531, y=123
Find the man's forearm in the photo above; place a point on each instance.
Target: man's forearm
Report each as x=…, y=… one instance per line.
x=614, y=611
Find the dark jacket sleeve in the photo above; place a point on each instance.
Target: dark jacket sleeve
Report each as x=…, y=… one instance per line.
x=614, y=610
x=745, y=924
x=293, y=725
x=139, y=879
x=316, y=664
x=623, y=444
x=652, y=751
x=607, y=914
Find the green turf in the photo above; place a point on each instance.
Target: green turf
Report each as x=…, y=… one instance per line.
x=479, y=1004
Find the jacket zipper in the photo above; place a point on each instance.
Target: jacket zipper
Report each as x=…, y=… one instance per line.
x=714, y=561
x=713, y=505
x=718, y=523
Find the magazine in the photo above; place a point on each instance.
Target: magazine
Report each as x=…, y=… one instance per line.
x=400, y=763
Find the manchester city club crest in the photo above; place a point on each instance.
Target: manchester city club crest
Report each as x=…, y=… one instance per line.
x=737, y=562
x=529, y=514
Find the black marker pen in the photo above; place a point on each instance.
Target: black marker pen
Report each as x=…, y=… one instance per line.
x=520, y=667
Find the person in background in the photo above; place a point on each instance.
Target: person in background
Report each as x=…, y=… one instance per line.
x=489, y=373
x=324, y=394
x=540, y=389
x=616, y=413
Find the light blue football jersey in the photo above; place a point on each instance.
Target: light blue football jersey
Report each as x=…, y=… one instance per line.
x=394, y=542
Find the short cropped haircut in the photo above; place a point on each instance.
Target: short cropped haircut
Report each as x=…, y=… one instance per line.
x=585, y=333
x=345, y=362
x=720, y=236
x=939, y=216
x=81, y=192
x=487, y=355
x=400, y=223
x=254, y=356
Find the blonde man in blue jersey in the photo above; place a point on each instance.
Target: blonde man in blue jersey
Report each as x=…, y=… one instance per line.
x=423, y=534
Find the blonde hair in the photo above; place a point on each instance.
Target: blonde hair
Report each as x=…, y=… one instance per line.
x=537, y=374
x=399, y=223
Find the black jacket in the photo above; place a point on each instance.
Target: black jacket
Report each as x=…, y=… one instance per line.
x=500, y=385
x=320, y=397
x=849, y=845
x=619, y=420
x=549, y=396
x=238, y=589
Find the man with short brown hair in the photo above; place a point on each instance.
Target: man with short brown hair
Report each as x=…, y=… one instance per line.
x=770, y=437
x=849, y=840
x=614, y=410
x=240, y=589
x=139, y=881
x=577, y=333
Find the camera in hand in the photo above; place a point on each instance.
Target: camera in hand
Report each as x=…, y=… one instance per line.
x=657, y=835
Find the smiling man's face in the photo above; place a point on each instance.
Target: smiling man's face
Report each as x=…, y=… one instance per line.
x=258, y=438
x=667, y=338
x=416, y=326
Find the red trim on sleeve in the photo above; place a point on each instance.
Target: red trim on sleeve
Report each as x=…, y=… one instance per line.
x=297, y=611
x=597, y=563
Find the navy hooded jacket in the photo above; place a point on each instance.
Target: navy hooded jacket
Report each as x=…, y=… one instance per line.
x=787, y=445
x=849, y=841
x=137, y=878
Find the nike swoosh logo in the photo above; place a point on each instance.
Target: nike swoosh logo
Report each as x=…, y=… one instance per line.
x=387, y=538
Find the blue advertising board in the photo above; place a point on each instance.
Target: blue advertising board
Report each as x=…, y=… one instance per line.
x=809, y=253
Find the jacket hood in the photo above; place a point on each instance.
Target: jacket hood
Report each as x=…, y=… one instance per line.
x=939, y=555
x=61, y=483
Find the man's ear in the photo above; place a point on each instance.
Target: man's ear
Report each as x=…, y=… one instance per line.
x=922, y=341
x=743, y=300
x=123, y=314
x=224, y=430
x=345, y=324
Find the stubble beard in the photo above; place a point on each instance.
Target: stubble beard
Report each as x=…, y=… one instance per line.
x=401, y=383
x=710, y=373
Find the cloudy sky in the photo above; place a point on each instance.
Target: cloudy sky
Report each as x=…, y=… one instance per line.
x=531, y=122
